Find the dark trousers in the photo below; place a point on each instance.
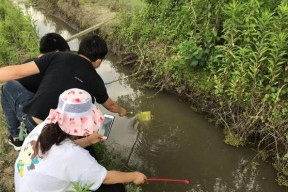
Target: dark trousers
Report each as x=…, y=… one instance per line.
x=14, y=96
x=119, y=187
x=111, y=188
x=92, y=152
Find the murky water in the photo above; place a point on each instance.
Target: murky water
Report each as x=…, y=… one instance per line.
x=178, y=143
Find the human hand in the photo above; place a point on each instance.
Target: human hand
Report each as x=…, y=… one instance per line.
x=122, y=112
x=139, y=178
x=95, y=138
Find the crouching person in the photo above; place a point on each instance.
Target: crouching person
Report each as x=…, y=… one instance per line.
x=49, y=160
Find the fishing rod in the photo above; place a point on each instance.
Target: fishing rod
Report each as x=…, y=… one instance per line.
x=117, y=80
x=168, y=180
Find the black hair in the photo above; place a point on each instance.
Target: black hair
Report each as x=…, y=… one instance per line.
x=93, y=47
x=53, y=42
x=51, y=134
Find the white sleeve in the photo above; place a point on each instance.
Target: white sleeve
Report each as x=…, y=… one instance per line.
x=94, y=174
x=81, y=166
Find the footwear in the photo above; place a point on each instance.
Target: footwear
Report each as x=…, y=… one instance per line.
x=15, y=143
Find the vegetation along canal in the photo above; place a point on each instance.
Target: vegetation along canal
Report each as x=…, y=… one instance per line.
x=177, y=143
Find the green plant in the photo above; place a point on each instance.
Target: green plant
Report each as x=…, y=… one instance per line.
x=81, y=187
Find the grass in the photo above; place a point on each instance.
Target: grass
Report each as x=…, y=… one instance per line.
x=7, y=158
x=118, y=5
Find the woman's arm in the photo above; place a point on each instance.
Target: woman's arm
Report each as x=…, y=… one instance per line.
x=113, y=177
x=89, y=140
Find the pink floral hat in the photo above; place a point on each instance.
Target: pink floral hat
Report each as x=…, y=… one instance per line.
x=76, y=114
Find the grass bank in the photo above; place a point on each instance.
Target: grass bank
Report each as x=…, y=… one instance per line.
x=18, y=38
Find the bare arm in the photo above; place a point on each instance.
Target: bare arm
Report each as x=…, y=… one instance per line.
x=113, y=177
x=89, y=140
x=114, y=107
x=13, y=72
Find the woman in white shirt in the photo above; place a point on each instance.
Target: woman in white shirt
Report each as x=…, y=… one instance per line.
x=49, y=160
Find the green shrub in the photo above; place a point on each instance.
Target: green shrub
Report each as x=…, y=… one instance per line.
x=18, y=39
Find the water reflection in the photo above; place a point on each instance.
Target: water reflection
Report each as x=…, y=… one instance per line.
x=244, y=180
x=174, y=146
x=148, y=145
x=46, y=24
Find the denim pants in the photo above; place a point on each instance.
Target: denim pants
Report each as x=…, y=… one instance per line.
x=13, y=97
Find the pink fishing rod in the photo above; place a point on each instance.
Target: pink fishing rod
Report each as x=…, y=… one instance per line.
x=168, y=180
